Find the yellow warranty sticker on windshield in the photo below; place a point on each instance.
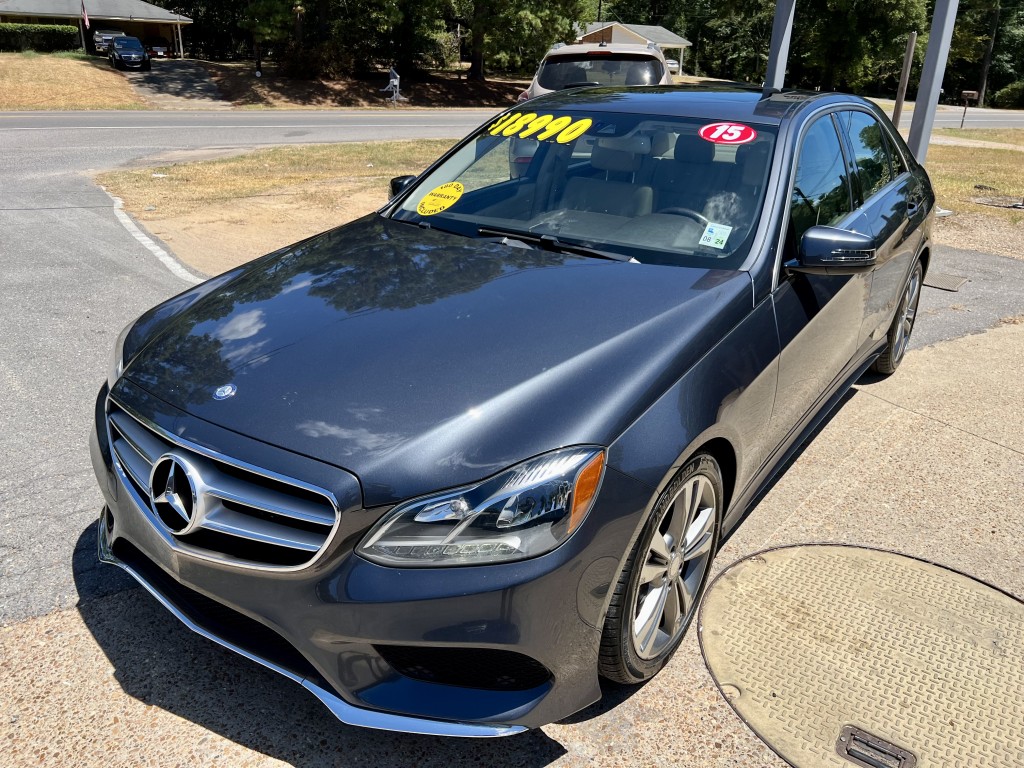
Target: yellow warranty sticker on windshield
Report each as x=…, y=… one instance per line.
x=440, y=198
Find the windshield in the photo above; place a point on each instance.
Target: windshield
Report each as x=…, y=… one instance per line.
x=599, y=68
x=644, y=187
x=127, y=42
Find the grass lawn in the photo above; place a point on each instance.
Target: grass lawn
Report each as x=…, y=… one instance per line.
x=321, y=175
x=957, y=172
x=1000, y=135
x=62, y=81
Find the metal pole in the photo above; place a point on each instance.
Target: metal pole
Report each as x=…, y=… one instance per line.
x=931, y=77
x=778, y=54
x=901, y=92
x=81, y=29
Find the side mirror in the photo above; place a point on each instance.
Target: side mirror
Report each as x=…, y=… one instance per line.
x=831, y=251
x=399, y=184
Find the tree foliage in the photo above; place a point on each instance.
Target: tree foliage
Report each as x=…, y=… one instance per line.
x=853, y=45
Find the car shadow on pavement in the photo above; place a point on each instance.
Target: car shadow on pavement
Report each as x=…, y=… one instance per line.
x=159, y=662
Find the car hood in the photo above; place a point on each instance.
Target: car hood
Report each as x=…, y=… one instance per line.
x=420, y=360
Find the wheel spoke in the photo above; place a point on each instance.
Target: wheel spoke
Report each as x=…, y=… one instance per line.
x=689, y=582
x=678, y=511
x=699, y=537
x=659, y=549
x=649, y=619
x=652, y=572
x=673, y=607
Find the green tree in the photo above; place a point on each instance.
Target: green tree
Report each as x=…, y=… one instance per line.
x=514, y=35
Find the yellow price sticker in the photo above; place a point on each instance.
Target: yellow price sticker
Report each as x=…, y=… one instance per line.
x=525, y=125
x=440, y=198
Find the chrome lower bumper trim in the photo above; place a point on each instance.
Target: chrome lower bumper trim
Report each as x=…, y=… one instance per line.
x=345, y=712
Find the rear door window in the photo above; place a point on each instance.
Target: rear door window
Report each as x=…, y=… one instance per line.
x=870, y=151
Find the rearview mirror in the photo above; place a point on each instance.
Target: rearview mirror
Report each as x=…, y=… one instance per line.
x=400, y=183
x=831, y=251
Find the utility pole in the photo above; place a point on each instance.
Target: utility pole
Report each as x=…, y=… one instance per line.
x=901, y=92
x=778, y=55
x=931, y=77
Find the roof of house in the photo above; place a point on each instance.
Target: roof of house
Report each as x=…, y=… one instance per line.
x=649, y=32
x=120, y=10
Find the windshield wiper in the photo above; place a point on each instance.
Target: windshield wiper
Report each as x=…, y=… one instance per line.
x=550, y=243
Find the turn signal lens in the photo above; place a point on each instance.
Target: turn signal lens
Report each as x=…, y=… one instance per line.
x=587, y=483
x=526, y=511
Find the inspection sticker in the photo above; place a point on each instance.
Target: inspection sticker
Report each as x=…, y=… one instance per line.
x=440, y=198
x=715, y=236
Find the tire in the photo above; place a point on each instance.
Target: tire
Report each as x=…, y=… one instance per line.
x=634, y=649
x=898, y=337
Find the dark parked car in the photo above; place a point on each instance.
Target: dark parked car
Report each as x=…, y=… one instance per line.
x=159, y=48
x=128, y=53
x=446, y=465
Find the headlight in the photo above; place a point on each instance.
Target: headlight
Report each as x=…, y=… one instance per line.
x=117, y=361
x=523, y=512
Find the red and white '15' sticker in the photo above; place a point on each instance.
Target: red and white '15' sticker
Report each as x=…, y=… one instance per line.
x=727, y=133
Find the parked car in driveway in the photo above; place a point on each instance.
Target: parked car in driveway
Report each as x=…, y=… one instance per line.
x=101, y=38
x=158, y=48
x=128, y=53
x=449, y=464
x=590, y=64
x=672, y=65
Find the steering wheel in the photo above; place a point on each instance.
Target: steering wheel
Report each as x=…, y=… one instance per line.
x=688, y=213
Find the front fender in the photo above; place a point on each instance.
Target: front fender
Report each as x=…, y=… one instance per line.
x=727, y=394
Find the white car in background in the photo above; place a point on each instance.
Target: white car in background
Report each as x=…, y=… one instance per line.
x=673, y=66
x=589, y=64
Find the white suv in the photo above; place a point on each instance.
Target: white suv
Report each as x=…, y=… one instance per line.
x=571, y=66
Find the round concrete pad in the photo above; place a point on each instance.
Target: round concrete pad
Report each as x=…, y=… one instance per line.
x=804, y=641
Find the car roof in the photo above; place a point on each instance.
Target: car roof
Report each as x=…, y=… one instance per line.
x=583, y=48
x=720, y=101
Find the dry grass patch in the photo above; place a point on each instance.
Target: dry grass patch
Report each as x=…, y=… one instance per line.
x=999, y=135
x=961, y=174
x=62, y=81
x=254, y=203
x=323, y=175
x=957, y=173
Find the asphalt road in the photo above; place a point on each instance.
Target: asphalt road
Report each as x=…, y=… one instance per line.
x=949, y=117
x=71, y=277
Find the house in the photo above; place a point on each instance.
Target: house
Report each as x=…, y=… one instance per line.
x=639, y=34
x=134, y=17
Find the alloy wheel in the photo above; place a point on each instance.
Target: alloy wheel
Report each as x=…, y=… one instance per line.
x=674, y=567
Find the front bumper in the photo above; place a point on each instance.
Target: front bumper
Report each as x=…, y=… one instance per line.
x=363, y=637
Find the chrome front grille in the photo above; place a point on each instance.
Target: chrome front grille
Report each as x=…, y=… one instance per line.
x=210, y=506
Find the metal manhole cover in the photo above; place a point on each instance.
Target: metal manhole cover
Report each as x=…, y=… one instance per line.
x=944, y=282
x=919, y=663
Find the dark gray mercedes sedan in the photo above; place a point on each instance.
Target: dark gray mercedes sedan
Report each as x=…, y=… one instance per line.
x=448, y=465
